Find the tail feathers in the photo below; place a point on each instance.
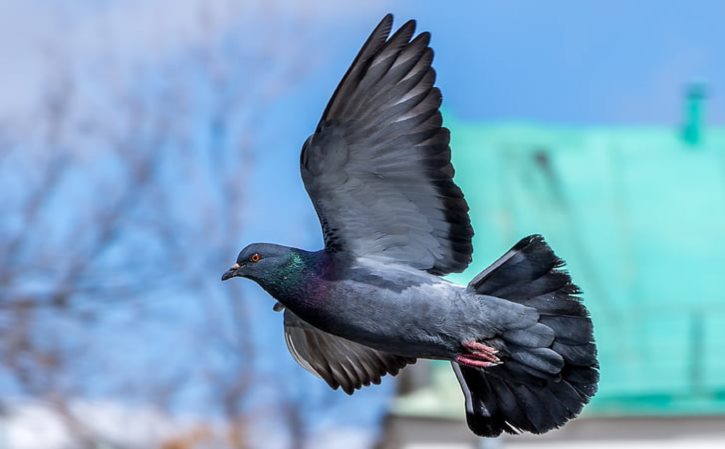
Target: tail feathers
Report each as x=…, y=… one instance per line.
x=549, y=370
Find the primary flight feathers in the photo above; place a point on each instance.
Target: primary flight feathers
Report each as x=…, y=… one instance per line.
x=378, y=168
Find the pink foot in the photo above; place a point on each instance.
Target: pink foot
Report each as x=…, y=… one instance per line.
x=480, y=356
x=473, y=363
x=476, y=347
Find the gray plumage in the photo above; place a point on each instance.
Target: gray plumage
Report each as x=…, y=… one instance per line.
x=380, y=148
x=379, y=174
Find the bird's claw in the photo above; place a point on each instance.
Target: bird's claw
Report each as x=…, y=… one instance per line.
x=472, y=362
x=475, y=347
x=480, y=356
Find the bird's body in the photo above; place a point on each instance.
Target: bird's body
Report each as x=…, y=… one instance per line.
x=379, y=174
x=389, y=307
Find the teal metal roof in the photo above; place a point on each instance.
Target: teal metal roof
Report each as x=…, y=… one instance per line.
x=639, y=215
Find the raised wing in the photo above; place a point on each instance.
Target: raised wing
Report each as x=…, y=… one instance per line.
x=378, y=168
x=339, y=362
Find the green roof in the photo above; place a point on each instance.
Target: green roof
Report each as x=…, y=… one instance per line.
x=639, y=216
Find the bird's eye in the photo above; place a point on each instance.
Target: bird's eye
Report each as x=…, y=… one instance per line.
x=254, y=258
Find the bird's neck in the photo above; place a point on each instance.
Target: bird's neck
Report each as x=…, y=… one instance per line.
x=297, y=280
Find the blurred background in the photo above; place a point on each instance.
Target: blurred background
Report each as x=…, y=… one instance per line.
x=143, y=143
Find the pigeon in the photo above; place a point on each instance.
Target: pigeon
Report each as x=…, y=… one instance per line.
x=373, y=300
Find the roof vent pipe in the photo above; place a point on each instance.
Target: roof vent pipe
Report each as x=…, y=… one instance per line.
x=692, y=128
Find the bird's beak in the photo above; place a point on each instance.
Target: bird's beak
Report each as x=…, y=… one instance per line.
x=232, y=272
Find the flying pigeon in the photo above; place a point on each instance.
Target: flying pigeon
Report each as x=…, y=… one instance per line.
x=378, y=170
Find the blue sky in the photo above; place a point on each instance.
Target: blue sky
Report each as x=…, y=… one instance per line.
x=562, y=61
x=569, y=61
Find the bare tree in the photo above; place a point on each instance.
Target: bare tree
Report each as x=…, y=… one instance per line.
x=106, y=199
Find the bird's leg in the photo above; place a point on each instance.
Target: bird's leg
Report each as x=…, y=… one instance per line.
x=480, y=356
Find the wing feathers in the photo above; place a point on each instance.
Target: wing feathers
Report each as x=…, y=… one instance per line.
x=339, y=362
x=378, y=168
x=370, y=47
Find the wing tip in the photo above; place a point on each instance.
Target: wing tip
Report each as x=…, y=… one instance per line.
x=409, y=26
x=384, y=26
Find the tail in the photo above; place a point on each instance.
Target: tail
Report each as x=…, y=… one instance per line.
x=549, y=369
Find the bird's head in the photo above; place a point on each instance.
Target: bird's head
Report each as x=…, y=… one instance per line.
x=260, y=261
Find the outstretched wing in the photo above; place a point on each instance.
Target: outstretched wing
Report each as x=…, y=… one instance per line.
x=339, y=362
x=378, y=167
